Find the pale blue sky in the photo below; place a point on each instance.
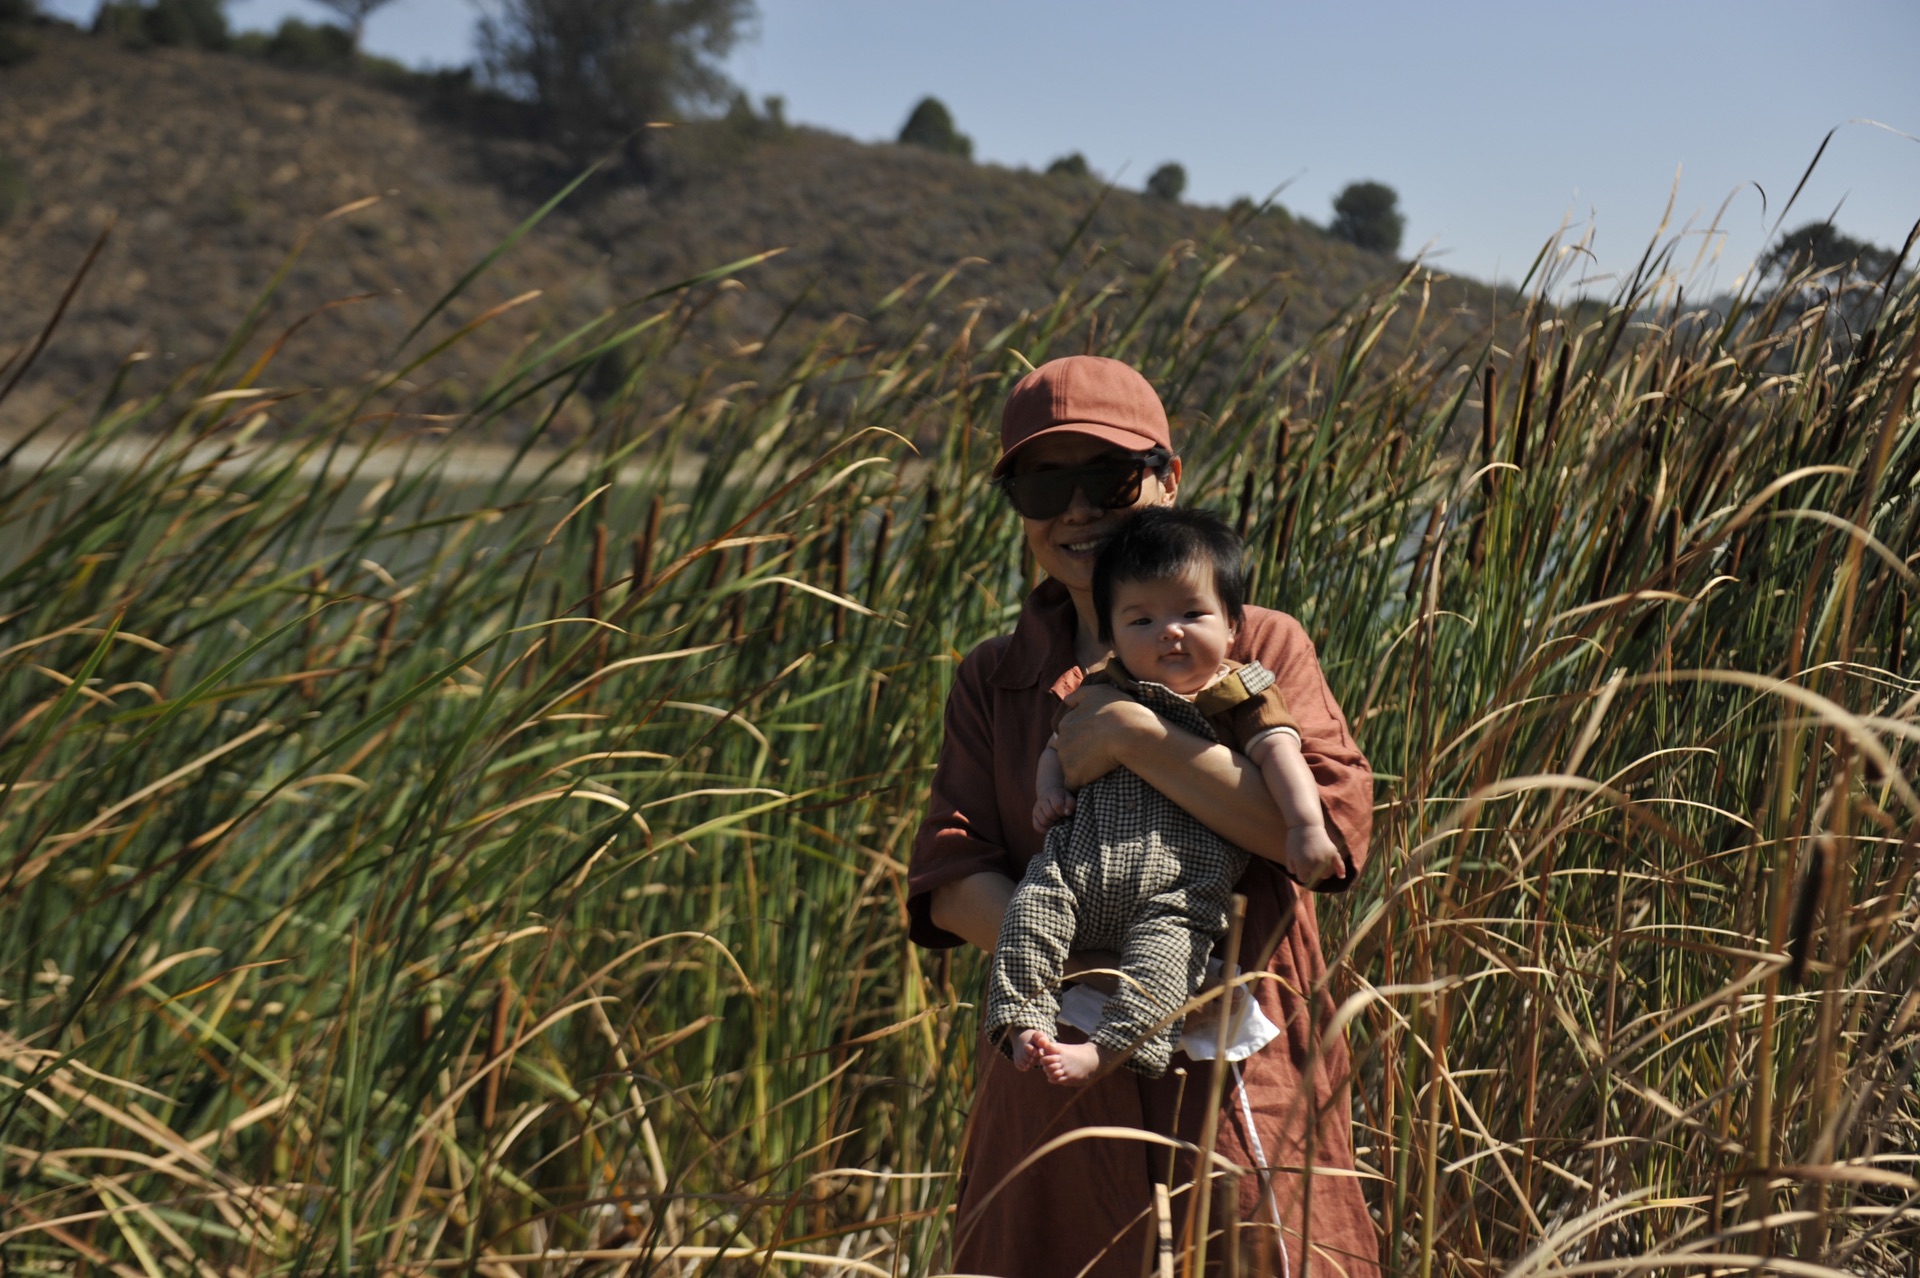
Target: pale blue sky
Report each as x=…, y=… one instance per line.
x=1495, y=120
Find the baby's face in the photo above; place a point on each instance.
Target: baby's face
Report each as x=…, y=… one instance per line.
x=1171, y=631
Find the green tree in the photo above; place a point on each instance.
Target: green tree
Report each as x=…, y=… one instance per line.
x=1168, y=182
x=190, y=23
x=1367, y=215
x=601, y=71
x=317, y=46
x=1822, y=246
x=354, y=13
x=1073, y=164
x=931, y=126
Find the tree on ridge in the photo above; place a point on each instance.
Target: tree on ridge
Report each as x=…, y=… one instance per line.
x=1367, y=215
x=601, y=71
x=354, y=13
x=1168, y=182
x=931, y=126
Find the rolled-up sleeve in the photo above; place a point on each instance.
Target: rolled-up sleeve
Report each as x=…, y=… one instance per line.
x=961, y=834
x=1344, y=777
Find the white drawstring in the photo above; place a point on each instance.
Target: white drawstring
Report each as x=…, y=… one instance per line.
x=1260, y=1157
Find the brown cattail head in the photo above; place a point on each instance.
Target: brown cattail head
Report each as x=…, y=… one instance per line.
x=496, y=1048
x=385, y=647
x=1556, y=398
x=1806, y=908
x=1282, y=434
x=643, y=549
x=1284, y=549
x=1246, y=505
x=1529, y=387
x=1417, y=579
x=317, y=591
x=597, y=569
x=1897, y=651
x=877, y=562
x=1489, y=420
x=1609, y=549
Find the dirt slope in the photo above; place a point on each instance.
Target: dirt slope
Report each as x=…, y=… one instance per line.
x=210, y=166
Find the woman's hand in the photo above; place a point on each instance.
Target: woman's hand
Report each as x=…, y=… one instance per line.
x=1099, y=725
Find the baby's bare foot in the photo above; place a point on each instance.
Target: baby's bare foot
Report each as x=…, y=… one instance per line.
x=1030, y=1047
x=1071, y=1063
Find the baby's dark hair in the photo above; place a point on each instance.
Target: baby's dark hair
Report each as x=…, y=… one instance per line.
x=1162, y=542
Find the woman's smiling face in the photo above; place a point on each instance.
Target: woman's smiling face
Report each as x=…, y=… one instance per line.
x=1066, y=545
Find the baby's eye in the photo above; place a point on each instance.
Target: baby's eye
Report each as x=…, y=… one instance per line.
x=1198, y=613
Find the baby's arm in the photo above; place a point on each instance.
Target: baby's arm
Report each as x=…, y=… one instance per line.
x=1053, y=802
x=1310, y=854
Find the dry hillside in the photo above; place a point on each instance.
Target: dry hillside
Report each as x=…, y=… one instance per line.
x=210, y=166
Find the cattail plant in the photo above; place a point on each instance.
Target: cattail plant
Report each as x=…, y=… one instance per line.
x=356, y=938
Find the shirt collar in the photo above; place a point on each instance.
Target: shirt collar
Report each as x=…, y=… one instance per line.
x=1042, y=646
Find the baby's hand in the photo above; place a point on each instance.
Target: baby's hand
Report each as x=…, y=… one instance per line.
x=1053, y=806
x=1311, y=855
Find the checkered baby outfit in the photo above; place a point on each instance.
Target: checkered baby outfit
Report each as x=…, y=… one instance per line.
x=1130, y=871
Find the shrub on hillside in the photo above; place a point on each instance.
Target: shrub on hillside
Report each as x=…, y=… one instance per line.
x=768, y=122
x=1168, y=182
x=1366, y=215
x=15, y=45
x=931, y=126
x=200, y=24
x=310, y=46
x=1073, y=164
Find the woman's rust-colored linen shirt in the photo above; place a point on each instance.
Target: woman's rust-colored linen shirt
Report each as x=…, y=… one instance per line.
x=1095, y=1195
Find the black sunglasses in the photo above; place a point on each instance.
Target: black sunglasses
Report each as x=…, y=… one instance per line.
x=1110, y=482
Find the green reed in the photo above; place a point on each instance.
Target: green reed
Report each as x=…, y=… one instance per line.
x=413, y=871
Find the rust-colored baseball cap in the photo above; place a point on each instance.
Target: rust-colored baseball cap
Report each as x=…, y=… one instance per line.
x=1083, y=395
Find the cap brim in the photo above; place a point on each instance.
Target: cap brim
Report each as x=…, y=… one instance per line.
x=1132, y=441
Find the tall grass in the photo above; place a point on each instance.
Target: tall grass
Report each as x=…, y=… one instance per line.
x=410, y=874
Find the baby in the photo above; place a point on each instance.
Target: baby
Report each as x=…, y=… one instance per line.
x=1124, y=868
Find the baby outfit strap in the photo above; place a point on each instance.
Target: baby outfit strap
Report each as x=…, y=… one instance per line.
x=1245, y=705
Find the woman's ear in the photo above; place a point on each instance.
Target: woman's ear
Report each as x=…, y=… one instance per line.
x=1170, y=484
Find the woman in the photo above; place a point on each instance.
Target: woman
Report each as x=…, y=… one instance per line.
x=1084, y=444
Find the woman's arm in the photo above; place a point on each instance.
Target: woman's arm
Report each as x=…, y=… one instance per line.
x=971, y=908
x=1104, y=729
x=1224, y=791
